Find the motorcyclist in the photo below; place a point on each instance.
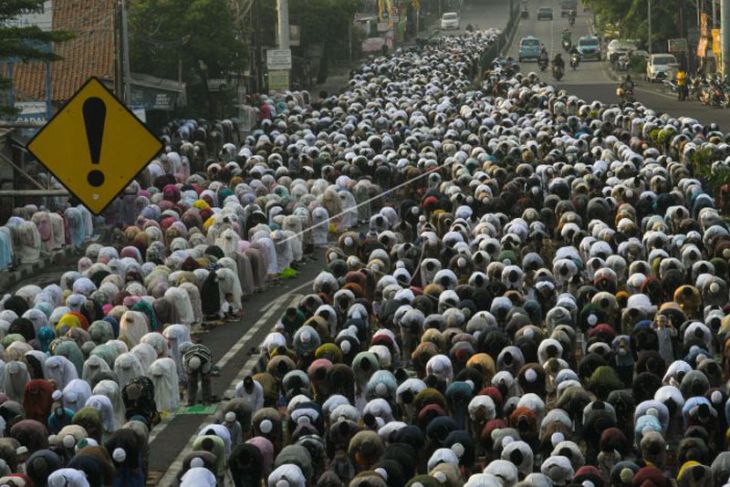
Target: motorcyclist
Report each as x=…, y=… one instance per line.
x=558, y=62
x=571, y=17
x=574, y=54
x=682, y=84
x=627, y=84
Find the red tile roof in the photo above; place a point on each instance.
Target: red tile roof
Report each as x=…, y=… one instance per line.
x=90, y=53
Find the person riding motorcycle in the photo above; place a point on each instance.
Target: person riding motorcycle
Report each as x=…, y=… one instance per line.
x=574, y=56
x=544, y=58
x=682, y=89
x=625, y=89
x=571, y=17
x=627, y=84
x=566, y=40
x=558, y=62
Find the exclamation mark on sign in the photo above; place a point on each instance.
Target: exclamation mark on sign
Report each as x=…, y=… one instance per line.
x=94, y=117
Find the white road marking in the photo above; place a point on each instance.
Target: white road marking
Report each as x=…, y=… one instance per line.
x=170, y=477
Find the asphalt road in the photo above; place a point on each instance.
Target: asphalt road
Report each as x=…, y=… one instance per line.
x=594, y=80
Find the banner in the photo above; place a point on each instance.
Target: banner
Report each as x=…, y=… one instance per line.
x=716, y=42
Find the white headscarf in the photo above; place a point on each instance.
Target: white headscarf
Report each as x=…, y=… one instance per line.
x=288, y=475
x=163, y=373
x=145, y=353
x=196, y=477
x=60, y=370
x=68, y=477
x=111, y=389
x=133, y=326
x=104, y=405
x=127, y=367
x=75, y=394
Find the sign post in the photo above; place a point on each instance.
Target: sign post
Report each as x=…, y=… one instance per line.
x=278, y=62
x=94, y=146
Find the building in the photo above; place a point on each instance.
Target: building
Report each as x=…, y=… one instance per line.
x=93, y=51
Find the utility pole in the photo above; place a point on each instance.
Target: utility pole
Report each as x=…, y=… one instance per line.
x=714, y=13
x=725, y=35
x=282, y=7
x=127, y=76
x=649, y=20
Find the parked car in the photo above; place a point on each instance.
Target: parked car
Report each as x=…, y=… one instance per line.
x=545, y=13
x=661, y=66
x=529, y=48
x=589, y=47
x=618, y=47
x=450, y=20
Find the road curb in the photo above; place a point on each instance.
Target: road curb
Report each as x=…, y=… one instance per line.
x=9, y=279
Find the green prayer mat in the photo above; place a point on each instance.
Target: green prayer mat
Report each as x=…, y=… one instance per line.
x=197, y=409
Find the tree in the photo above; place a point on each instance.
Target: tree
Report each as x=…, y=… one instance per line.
x=199, y=36
x=24, y=43
x=629, y=17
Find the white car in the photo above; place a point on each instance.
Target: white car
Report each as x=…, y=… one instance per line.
x=450, y=20
x=618, y=47
x=661, y=66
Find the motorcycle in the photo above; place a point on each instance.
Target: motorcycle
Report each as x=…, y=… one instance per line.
x=626, y=95
x=574, y=60
x=622, y=63
x=571, y=20
x=558, y=73
x=542, y=64
x=567, y=44
x=713, y=96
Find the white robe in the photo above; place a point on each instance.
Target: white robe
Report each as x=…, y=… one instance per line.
x=104, y=405
x=163, y=373
x=320, y=226
x=183, y=307
x=127, y=367
x=228, y=284
x=75, y=394
x=92, y=366
x=264, y=243
x=60, y=370
x=195, y=302
x=29, y=243
x=58, y=225
x=15, y=378
x=111, y=389
x=145, y=353
x=293, y=226
x=176, y=335
x=133, y=326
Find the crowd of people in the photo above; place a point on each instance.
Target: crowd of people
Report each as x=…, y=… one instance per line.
x=521, y=288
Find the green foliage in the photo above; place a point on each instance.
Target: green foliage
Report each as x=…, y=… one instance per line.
x=166, y=33
x=629, y=17
x=23, y=42
x=637, y=64
x=324, y=22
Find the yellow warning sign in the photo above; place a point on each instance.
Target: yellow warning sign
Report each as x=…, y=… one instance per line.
x=94, y=146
